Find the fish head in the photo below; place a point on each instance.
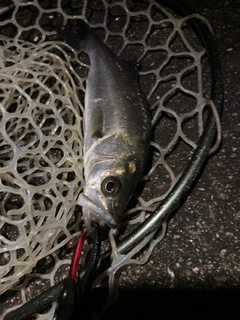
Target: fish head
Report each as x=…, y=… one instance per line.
x=109, y=187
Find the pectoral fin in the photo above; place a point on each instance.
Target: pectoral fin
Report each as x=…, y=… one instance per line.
x=96, y=123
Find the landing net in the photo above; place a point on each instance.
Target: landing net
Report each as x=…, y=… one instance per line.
x=42, y=87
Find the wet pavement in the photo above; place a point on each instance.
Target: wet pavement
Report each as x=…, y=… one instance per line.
x=194, y=273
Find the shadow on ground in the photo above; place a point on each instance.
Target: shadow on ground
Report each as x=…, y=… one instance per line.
x=176, y=304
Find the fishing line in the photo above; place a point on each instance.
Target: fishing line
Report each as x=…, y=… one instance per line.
x=72, y=293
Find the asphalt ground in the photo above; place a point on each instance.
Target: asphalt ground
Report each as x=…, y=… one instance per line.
x=194, y=273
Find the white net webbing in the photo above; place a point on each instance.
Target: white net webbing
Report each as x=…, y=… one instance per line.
x=41, y=111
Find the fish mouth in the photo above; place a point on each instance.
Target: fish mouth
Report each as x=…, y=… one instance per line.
x=92, y=211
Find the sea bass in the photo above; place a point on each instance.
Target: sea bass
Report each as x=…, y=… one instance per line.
x=117, y=129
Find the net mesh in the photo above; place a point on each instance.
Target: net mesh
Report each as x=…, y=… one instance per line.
x=41, y=140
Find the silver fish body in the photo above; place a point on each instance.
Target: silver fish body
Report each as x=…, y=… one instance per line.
x=117, y=130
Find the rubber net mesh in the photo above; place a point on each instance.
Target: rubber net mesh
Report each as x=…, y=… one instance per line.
x=42, y=85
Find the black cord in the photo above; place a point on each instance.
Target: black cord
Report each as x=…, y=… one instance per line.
x=36, y=304
x=77, y=294
x=73, y=300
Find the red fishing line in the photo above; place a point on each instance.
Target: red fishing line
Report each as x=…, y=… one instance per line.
x=73, y=271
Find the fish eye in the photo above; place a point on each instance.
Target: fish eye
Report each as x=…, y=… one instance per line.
x=111, y=186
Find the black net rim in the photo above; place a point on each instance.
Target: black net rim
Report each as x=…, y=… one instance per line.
x=199, y=158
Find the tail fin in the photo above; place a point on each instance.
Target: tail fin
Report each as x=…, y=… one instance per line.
x=75, y=39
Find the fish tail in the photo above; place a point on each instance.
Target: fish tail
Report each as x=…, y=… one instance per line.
x=75, y=39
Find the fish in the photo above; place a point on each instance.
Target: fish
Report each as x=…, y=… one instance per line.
x=117, y=129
